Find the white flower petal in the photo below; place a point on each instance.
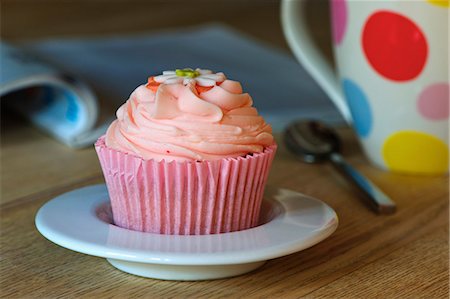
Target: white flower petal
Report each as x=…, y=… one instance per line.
x=203, y=72
x=174, y=80
x=163, y=78
x=208, y=76
x=215, y=77
x=187, y=81
x=169, y=72
x=222, y=76
x=205, y=82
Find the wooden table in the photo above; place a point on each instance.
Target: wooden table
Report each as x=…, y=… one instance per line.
x=371, y=256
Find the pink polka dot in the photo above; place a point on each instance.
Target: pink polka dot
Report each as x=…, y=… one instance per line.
x=394, y=45
x=433, y=101
x=338, y=19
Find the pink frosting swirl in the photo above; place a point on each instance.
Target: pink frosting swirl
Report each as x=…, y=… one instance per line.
x=178, y=123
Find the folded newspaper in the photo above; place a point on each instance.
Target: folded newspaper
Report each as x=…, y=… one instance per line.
x=70, y=88
x=53, y=100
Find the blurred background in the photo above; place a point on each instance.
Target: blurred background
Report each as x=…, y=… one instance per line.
x=35, y=19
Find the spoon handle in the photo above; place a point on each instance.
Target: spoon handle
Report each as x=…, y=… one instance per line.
x=374, y=197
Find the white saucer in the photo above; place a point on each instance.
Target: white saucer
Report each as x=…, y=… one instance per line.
x=80, y=220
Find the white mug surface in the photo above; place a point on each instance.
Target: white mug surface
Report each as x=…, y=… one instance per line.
x=392, y=80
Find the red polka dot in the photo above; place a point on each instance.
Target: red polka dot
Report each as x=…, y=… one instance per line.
x=394, y=46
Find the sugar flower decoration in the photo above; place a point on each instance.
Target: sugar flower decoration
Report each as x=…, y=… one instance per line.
x=187, y=76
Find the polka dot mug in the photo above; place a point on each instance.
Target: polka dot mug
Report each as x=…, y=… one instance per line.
x=392, y=83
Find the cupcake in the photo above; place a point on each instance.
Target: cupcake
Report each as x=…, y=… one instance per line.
x=187, y=155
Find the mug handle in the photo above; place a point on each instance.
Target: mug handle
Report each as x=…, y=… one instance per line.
x=299, y=39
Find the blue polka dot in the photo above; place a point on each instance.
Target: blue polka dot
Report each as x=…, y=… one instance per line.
x=359, y=107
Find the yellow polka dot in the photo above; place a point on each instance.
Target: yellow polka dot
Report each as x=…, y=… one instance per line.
x=415, y=152
x=440, y=2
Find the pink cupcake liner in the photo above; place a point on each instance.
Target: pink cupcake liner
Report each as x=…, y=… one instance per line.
x=185, y=198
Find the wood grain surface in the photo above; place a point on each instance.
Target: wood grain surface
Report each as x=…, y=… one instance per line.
x=369, y=256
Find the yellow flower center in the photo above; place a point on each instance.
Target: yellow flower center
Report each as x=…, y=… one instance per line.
x=190, y=73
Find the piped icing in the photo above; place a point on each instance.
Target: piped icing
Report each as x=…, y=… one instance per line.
x=178, y=119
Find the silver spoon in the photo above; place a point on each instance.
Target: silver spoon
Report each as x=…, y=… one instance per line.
x=315, y=142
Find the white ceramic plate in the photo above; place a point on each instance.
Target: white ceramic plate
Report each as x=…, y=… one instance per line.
x=80, y=220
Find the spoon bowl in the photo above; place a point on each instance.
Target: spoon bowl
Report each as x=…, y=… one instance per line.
x=314, y=141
